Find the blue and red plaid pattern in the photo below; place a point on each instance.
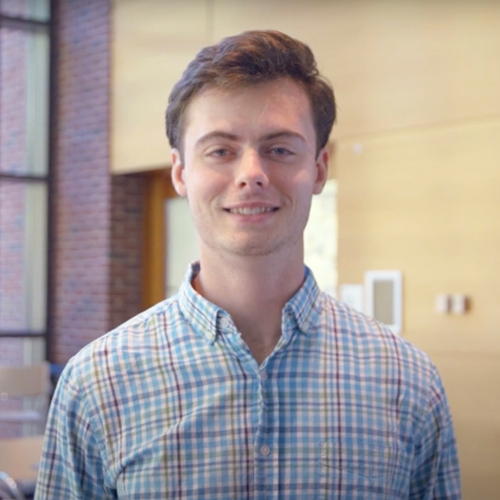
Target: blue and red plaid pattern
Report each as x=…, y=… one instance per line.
x=172, y=405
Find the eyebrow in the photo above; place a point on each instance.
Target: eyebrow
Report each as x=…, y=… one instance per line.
x=283, y=134
x=219, y=134
x=216, y=134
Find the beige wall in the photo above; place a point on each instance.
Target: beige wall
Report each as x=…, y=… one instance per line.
x=427, y=202
x=417, y=157
x=153, y=41
x=419, y=191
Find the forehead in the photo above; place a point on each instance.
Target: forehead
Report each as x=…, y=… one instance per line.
x=250, y=109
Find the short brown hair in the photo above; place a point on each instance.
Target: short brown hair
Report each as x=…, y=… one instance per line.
x=249, y=58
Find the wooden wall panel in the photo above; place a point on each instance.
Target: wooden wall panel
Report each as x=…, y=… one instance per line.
x=472, y=382
x=394, y=64
x=427, y=203
x=153, y=41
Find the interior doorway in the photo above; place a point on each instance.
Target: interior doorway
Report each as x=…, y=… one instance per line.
x=171, y=241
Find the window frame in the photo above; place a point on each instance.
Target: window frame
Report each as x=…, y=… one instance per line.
x=47, y=179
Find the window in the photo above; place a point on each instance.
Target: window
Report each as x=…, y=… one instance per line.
x=24, y=178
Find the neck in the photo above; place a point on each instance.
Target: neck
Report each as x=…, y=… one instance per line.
x=253, y=290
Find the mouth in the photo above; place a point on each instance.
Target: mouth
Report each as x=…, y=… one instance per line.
x=250, y=210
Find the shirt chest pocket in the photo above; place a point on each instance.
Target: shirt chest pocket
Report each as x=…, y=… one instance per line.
x=352, y=471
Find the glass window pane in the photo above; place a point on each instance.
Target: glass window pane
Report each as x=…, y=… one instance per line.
x=11, y=351
x=181, y=240
x=23, y=256
x=321, y=236
x=38, y=10
x=24, y=95
x=16, y=352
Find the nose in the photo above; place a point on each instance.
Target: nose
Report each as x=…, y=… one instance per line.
x=251, y=172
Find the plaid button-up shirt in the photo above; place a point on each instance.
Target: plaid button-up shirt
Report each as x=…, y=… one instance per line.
x=172, y=405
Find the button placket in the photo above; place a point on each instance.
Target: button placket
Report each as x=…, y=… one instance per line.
x=265, y=451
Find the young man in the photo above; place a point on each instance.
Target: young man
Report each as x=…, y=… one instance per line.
x=250, y=383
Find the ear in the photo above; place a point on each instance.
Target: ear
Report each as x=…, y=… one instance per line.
x=177, y=173
x=321, y=170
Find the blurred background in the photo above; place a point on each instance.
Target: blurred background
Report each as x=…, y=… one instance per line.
x=91, y=231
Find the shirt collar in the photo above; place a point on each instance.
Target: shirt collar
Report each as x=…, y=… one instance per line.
x=305, y=304
x=198, y=311
x=205, y=317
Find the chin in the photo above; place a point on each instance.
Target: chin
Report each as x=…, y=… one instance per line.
x=256, y=248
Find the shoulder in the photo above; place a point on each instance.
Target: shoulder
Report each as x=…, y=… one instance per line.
x=381, y=361
x=124, y=349
x=374, y=345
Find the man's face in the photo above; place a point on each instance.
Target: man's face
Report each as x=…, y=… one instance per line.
x=249, y=168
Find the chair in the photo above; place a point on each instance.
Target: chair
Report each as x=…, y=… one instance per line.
x=9, y=489
x=28, y=382
x=19, y=457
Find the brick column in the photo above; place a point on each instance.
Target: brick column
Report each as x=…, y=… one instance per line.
x=98, y=239
x=82, y=181
x=125, y=293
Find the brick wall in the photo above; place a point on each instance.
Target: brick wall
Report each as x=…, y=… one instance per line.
x=127, y=193
x=82, y=182
x=97, y=255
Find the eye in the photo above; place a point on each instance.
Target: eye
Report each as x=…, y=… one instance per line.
x=219, y=152
x=280, y=151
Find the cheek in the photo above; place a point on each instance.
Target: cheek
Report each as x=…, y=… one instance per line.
x=202, y=189
x=302, y=185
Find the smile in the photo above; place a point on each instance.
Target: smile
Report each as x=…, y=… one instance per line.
x=251, y=210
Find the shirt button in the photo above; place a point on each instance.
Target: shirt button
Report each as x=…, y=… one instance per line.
x=265, y=450
x=225, y=323
x=263, y=375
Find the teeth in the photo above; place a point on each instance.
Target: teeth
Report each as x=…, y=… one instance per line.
x=250, y=211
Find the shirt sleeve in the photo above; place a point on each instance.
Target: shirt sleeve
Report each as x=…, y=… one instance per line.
x=71, y=466
x=436, y=474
